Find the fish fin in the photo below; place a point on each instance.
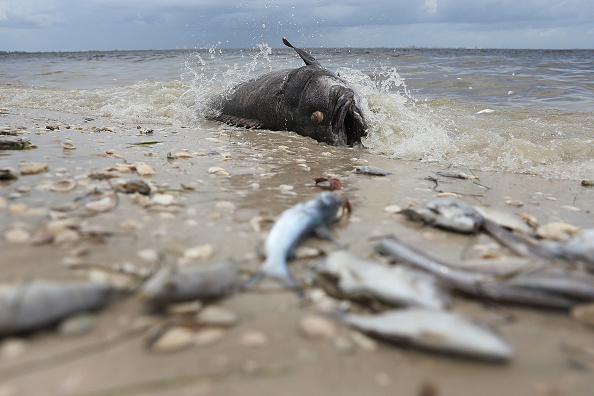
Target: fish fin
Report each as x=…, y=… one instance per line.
x=235, y=121
x=307, y=58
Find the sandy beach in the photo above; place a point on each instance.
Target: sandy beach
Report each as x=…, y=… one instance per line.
x=210, y=215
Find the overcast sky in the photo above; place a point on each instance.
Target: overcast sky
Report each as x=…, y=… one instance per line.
x=70, y=25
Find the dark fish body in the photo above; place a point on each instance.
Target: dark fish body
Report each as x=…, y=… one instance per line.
x=39, y=304
x=293, y=227
x=311, y=101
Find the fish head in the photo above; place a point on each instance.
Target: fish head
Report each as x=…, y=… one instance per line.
x=326, y=205
x=331, y=110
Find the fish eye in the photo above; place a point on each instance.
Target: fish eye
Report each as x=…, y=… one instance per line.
x=317, y=117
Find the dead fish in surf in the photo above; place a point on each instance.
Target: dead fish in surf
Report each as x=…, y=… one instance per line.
x=395, y=285
x=434, y=330
x=577, y=248
x=293, y=227
x=311, y=101
x=39, y=304
x=171, y=284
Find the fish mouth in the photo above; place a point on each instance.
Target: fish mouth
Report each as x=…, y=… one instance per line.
x=348, y=125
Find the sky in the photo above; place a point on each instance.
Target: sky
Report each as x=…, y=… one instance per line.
x=70, y=25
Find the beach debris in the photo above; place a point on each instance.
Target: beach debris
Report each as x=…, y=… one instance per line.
x=455, y=174
x=38, y=304
x=33, y=168
x=584, y=313
x=587, y=183
x=316, y=327
x=370, y=170
x=171, y=285
x=133, y=186
x=253, y=339
x=293, y=226
x=173, y=339
x=392, y=209
x=217, y=171
x=64, y=185
x=8, y=174
x=447, y=213
x=479, y=284
x=354, y=278
x=104, y=174
x=68, y=146
x=53, y=127
x=329, y=184
x=180, y=155
x=213, y=315
x=15, y=144
x=101, y=205
x=143, y=169
x=557, y=231
x=433, y=330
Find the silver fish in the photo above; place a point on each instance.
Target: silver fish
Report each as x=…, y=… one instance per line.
x=370, y=170
x=434, y=330
x=448, y=213
x=578, y=248
x=293, y=227
x=572, y=283
x=38, y=304
x=171, y=284
x=395, y=285
x=474, y=283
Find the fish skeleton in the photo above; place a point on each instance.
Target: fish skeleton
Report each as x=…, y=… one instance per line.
x=293, y=227
x=311, y=101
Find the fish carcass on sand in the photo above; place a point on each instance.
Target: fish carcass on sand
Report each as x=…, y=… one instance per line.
x=293, y=226
x=394, y=285
x=434, y=330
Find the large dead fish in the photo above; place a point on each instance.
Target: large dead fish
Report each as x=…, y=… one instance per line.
x=394, y=285
x=434, y=330
x=311, y=101
x=293, y=226
x=38, y=304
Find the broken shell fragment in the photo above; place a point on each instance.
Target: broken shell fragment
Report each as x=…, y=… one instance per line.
x=64, y=185
x=218, y=171
x=145, y=170
x=101, y=205
x=33, y=168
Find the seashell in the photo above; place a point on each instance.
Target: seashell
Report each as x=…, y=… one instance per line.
x=217, y=316
x=64, y=185
x=218, y=171
x=392, y=209
x=68, y=146
x=17, y=235
x=144, y=170
x=557, y=231
x=163, y=199
x=316, y=327
x=101, y=205
x=173, y=340
x=199, y=252
x=33, y=168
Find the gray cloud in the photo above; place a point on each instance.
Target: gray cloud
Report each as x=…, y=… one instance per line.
x=144, y=24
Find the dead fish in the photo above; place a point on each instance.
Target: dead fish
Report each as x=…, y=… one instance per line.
x=455, y=175
x=447, y=213
x=434, y=330
x=575, y=284
x=474, y=283
x=293, y=226
x=578, y=248
x=370, y=170
x=395, y=285
x=38, y=304
x=171, y=284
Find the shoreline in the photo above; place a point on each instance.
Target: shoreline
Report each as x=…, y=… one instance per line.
x=263, y=173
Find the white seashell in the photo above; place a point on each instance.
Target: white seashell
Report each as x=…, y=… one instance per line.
x=217, y=170
x=145, y=170
x=64, y=185
x=102, y=205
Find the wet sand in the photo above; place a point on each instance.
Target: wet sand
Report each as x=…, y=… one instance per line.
x=267, y=173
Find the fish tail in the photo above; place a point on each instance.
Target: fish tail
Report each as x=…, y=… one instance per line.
x=267, y=270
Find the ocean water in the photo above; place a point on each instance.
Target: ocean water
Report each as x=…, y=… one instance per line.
x=528, y=111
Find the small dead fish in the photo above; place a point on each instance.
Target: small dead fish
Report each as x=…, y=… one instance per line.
x=171, y=285
x=478, y=284
x=438, y=331
x=575, y=284
x=448, y=213
x=293, y=226
x=370, y=170
x=38, y=304
x=455, y=175
x=394, y=285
